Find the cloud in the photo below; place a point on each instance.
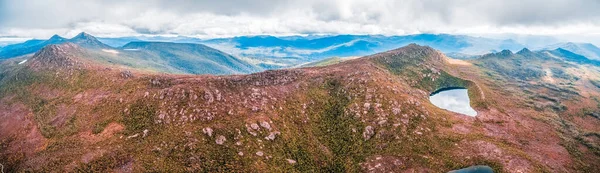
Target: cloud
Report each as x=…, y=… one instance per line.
x=209, y=18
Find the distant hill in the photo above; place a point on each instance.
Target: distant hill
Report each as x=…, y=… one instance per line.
x=588, y=50
x=532, y=65
x=186, y=58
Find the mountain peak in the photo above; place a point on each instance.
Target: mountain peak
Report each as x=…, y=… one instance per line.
x=56, y=37
x=524, y=51
x=505, y=52
x=412, y=54
x=89, y=41
x=55, y=56
x=84, y=35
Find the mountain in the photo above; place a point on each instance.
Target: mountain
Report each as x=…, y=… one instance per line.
x=88, y=41
x=308, y=49
x=32, y=46
x=66, y=110
x=180, y=58
x=188, y=58
x=271, y=52
x=588, y=50
x=533, y=65
x=121, y=41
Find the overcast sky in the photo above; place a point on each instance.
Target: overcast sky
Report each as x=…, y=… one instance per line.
x=576, y=19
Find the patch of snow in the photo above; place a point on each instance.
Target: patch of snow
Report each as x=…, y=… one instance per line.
x=22, y=62
x=110, y=51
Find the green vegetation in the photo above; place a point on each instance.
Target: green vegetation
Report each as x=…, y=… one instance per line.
x=106, y=163
x=333, y=129
x=140, y=116
x=325, y=62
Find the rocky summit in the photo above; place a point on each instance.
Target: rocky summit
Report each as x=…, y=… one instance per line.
x=63, y=111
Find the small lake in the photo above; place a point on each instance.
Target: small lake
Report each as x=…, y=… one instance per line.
x=453, y=99
x=474, y=169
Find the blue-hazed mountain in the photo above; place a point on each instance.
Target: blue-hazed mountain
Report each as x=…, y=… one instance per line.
x=319, y=47
x=83, y=39
x=587, y=50
x=271, y=52
x=188, y=58
x=122, y=41
x=294, y=50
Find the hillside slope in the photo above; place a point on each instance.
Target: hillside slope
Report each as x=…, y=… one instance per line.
x=372, y=114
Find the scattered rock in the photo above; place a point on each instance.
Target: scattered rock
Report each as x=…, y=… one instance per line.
x=220, y=139
x=266, y=125
x=249, y=130
x=254, y=126
x=145, y=133
x=272, y=135
x=133, y=136
x=396, y=111
x=126, y=74
x=155, y=82
x=208, y=131
x=290, y=161
x=241, y=153
x=368, y=133
x=260, y=153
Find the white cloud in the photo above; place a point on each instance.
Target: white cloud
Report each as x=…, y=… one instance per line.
x=208, y=18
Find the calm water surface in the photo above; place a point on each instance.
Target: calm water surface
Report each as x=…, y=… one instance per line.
x=455, y=100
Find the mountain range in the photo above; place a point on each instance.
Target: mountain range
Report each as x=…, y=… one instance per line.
x=72, y=107
x=270, y=52
x=166, y=57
